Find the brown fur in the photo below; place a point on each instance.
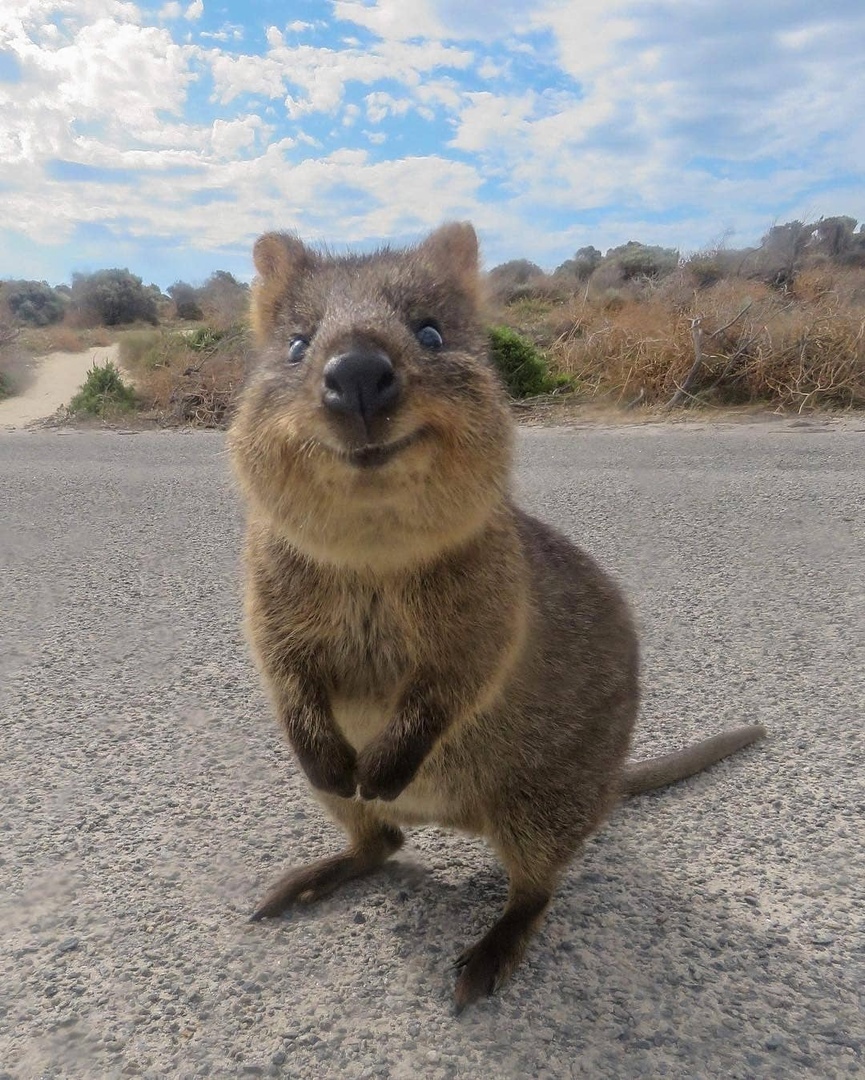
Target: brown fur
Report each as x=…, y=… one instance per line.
x=434, y=653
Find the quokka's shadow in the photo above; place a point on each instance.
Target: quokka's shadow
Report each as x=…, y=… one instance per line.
x=629, y=947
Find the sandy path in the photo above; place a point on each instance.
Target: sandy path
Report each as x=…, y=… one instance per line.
x=58, y=378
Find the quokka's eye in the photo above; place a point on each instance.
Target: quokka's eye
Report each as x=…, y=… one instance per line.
x=429, y=337
x=297, y=349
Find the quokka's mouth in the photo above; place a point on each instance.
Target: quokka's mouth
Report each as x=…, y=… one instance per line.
x=370, y=457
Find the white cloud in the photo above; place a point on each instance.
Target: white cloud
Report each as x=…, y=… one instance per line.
x=380, y=105
x=492, y=70
x=127, y=71
x=225, y=33
x=104, y=59
x=489, y=121
x=234, y=76
x=109, y=75
x=95, y=91
x=229, y=137
x=431, y=188
x=323, y=86
x=441, y=93
x=393, y=20
x=660, y=86
x=591, y=38
x=323, y=74
x=439, y=20
x=651, y=109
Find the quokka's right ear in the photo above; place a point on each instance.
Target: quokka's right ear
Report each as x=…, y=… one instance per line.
x=280, y=256
x=454, y=247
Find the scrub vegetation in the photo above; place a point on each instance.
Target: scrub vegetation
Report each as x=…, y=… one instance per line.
x=781, y=325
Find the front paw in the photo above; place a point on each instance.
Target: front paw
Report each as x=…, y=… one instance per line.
x=332, y=768
x=383, y=774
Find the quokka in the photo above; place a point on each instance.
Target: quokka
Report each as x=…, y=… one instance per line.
x=435, y=654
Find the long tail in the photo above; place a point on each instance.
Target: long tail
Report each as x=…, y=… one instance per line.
x=660, y=771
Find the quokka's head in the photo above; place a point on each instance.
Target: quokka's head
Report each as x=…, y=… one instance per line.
x=374, y=432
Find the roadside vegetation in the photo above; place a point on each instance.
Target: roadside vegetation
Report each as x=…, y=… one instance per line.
x=780, y=325
x=12, y=363
x=188, y=376
x=183, y=353
x=104, y=393
x=523, y=367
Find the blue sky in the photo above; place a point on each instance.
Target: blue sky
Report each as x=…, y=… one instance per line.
x=165, y=137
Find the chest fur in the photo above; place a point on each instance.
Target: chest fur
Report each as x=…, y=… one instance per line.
x=361, y=719
x=361, y=640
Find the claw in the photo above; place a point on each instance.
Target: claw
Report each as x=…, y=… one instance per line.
x=462, y=960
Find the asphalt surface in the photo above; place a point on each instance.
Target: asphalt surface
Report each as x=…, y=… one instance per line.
x=714, y=929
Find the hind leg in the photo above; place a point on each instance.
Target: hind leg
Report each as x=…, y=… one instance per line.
x=371, y=842
x=489, y=962
x=535, y=846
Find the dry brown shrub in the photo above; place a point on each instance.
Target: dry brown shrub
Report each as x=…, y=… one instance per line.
x=845, y=285
x=539, y=288
x=224, y=301
x=798, y=349
x=196, y=386
x=616, y=350
x=64, y=339
x=808, y=356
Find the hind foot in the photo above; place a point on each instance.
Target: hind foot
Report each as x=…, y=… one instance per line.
x=307, y=884
x=487, y=964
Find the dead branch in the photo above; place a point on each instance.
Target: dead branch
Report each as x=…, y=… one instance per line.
x=735, y=318
x=685, y=389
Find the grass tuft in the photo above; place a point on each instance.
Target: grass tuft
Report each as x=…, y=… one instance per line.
x=104, y=392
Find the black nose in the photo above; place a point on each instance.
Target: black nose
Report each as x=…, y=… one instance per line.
x=362, y=381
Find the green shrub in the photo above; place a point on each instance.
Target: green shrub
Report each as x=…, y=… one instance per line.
x=111, y=297
x=33, y=303
x=521, y=366
x=205, y=337
x=103, y=391
x=582, y=265
x=636, y=260
x=185, y=299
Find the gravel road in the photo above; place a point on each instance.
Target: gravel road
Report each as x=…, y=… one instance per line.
x=713, y=930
